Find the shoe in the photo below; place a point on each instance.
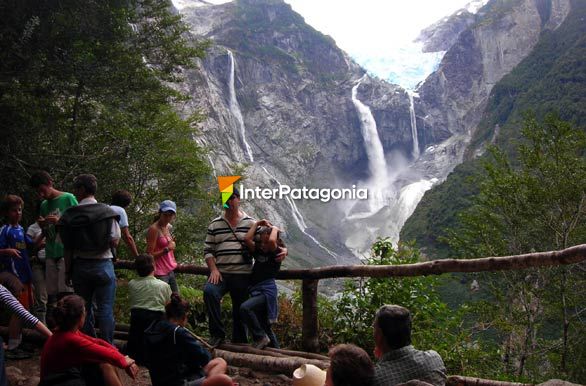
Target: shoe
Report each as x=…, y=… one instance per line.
x=261, y=343
x=215, y=341
x=18, y=353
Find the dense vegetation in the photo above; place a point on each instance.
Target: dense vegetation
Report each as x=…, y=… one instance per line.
x=87, y=87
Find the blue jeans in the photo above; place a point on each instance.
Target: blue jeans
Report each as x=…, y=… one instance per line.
x=254, y=315
x=237, y=285
x=95, y=281
x=171, y=280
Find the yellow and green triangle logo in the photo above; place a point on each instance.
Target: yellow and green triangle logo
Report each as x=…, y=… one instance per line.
x=226, y=184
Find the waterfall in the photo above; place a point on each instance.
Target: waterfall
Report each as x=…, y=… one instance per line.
x=374, y=148
x=235, y=108
x=413, y=124
x=299, y=218
x=213, y=166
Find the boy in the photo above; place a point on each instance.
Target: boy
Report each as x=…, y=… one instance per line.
x=54, y=205
x=148, y=297
x=14, y=259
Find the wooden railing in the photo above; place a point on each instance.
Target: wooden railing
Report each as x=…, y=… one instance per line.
x=310, y=277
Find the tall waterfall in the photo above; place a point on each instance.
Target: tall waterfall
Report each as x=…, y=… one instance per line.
x=413, y=125
x=377, y=164
x=299, y=220
x=235, y=108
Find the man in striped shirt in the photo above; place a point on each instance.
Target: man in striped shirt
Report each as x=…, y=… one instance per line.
x=229, y=269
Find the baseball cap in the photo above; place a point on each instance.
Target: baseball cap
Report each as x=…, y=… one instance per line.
x=167, y=206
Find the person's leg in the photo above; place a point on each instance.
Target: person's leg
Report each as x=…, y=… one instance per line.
x=62, y=288
x=40, y=291
x=238, y=286
x=83, y=283
x=250, y=311
x=110, y=375
x=104, y=297
x=218, y=380
x=266, y=325
x=212, y=296
x=3, y=379
x=173, y=282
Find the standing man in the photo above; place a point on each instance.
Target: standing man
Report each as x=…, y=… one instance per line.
x=120, y=200
x=229, y=269
x=90, y=231
x=53, y=206
x=398, y=360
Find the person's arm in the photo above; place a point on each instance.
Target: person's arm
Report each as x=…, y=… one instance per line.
x=272, y=243
x=249, y=238
x=129, y=241
x=192, y=349
x=210, y=256
x=94, y=350
x=10, y=252
x=115, y=234
x=14, y=306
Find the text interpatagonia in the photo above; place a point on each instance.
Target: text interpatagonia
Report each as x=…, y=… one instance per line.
x=304, y=193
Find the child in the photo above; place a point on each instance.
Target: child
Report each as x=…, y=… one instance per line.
x=261, y=310
x=14, y=260
x=148, y=297
x=37, y=257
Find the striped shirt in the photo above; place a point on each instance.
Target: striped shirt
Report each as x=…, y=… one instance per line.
x=222, y=246
x=10, y=302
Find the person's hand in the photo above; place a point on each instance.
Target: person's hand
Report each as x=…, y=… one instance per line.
x=131, y=367
x=263, y=223
x=42, y=221
x=215, y=277
x=171, y=245
x=68, y=279
x=12, y=252
x=52, y=219
x=283, y=252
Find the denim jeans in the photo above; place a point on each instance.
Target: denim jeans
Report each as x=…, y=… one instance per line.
x=237, y=286
x=171, y=280
x=254, y=315
x=94, y=280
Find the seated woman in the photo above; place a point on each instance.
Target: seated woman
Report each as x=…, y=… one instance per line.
x=260, y=311
x=175, y=358
x=70, y=357
x=148, y=297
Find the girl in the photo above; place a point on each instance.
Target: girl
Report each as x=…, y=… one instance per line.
x=161, y=245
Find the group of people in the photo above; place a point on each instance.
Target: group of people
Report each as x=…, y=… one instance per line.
x=62, y=270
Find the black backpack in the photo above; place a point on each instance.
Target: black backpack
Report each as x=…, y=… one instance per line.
x=87, y=228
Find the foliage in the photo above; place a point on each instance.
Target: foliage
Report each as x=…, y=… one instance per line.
x=538, y=205
x=86, y=87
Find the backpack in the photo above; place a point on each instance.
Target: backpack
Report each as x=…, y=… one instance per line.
x=87, y=228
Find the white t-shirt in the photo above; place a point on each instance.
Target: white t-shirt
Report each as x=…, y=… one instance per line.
x=35, y=232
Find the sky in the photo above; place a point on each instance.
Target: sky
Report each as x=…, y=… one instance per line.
x=378, y=34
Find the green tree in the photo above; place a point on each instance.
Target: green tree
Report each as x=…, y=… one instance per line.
x=88, y=87
x=535, y=202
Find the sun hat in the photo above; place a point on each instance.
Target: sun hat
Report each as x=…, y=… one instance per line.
x=309, y=375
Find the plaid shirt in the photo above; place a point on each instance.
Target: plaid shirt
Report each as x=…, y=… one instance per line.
x=407, y=363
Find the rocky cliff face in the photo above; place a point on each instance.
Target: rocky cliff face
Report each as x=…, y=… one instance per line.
x=293, y=87
x=277, y=97
x=454, y=97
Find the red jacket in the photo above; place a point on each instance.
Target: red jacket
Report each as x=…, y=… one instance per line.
x=71, y=349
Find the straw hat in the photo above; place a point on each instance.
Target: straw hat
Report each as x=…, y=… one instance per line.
x=309, y=375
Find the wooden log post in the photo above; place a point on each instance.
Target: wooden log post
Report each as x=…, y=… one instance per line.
x=309, y=332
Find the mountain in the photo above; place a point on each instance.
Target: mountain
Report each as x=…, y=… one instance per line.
x=282, y=101
x=551, y=78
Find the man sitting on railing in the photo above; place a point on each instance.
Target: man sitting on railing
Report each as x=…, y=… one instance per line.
x=399, y=361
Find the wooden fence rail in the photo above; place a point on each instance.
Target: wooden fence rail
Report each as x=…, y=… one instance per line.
x=310, y=277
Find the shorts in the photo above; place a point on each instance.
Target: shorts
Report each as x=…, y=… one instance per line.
x=26, y=296
x=55, y=277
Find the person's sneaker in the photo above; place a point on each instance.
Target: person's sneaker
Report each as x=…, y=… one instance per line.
x=261, y=343
x=18, y=353
x=215, y=341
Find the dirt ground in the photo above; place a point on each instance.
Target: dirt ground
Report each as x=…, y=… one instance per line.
x=26, y=373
